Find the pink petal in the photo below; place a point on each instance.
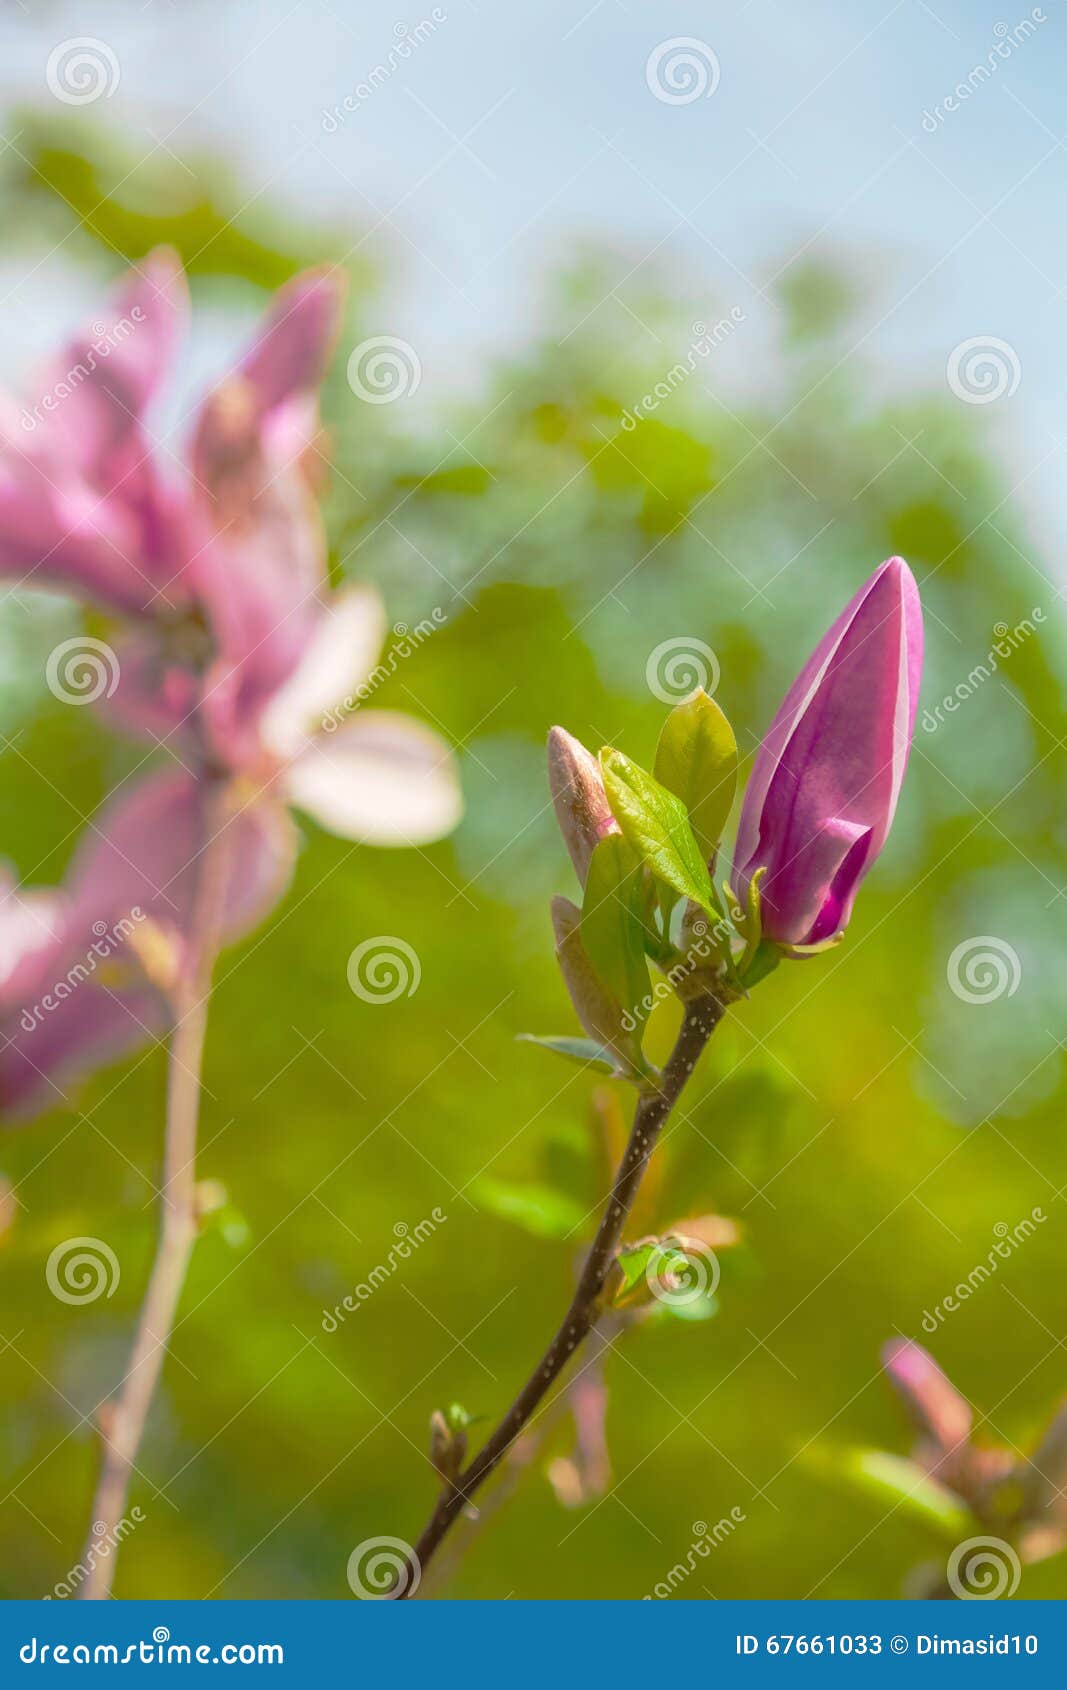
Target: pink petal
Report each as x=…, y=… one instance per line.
x=340, y=654
x=381, y=778
x=263, y=417
x=107, y=374
x=85, y=1001
x=935, y=1405
x=825, y=783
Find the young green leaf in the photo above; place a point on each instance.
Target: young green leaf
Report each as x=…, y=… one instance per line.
x=696, y=759
x=898, y=1479
x=586, y=1052
x=613, y=924
x=656, y=824
x=597, y=1006
x=539, y=1209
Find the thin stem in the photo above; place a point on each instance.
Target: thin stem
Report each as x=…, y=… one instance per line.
x=702, y=1016
x=123, y=1421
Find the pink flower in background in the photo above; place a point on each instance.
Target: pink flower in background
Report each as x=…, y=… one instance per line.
x=235, y=656
x=1010, y=1493
x=825, y=783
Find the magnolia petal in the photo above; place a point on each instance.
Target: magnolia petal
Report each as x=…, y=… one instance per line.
x=97, y=390
x=146, y=854
x=834, y=757
x=382, y=779
x=937, y=1409
x=340, y=655
x=293, y=348
x=30, y=926
x=58, y=1039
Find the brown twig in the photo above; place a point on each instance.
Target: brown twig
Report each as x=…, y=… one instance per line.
x=702, y=1016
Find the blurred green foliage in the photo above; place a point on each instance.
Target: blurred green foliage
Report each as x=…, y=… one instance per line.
x=867, y=1128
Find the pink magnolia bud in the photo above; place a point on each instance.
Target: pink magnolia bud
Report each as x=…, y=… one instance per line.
x=826, y=779
x=582, y=807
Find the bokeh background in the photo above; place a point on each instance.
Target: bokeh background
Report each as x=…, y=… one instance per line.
x=517, y=204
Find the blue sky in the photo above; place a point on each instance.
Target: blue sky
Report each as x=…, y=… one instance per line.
x=510, y=129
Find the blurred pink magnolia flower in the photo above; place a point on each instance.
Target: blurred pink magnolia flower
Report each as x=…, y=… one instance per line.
x=1018, y=1496
x=824, y=786
x=234, y=655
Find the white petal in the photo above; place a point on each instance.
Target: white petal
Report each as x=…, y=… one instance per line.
x=381, y=778
x=339, y=657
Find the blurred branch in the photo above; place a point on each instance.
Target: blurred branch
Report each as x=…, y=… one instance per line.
x=123, y=1420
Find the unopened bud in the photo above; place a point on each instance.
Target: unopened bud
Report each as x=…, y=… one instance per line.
x=448, y=1447
x=581, y=804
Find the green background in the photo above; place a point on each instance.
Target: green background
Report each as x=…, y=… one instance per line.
x=866, y=1128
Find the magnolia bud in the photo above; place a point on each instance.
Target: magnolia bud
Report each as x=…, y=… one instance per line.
x=448, y=1446
x=577, y=789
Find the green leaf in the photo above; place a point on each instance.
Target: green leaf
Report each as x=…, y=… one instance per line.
x=586, y=1052
x=598, y=1009
x=696, y=759
x=633, y=1262
x=538, y=1209
x=897, y=1479
x=656, y=824
x=613, y=925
